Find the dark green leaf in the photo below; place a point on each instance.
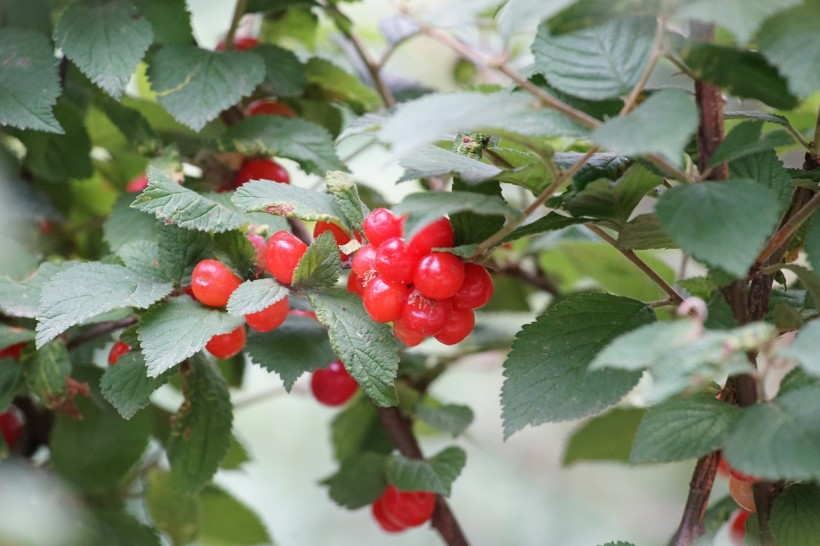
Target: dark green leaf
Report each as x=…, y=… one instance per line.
x=794, y=520
x=125, y=224
x=614, y=201
x=607, y=437
x=435, y=474
x=744, y=139
x=169, y=19
x=433, y=161
x=254, y=296
x=766, y=169
x=236, y=456
x=21, y=299
x=11, y=380
x=470, y=228
x=115, y=528
x=809, y=279
x=58, y=157
x=288, y=201
x=284, y=74
x=174, y=512
x=359, y=481
x=805, y=348
x=742, y=17
x=788, y=41
x=180, y=250
x=342, y=187
x=320, y=266
x=644, y=232
x=582, y=14
x=337, y=84
x=126, y=384
x=234, y=249
x=451, y=418
x=551, y=222
x=228, y=522
x=133, y=126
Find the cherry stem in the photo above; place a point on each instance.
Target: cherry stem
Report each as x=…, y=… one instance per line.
x=100, y=330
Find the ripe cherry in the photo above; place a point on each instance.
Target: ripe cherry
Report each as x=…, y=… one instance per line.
x=212, y=283
x=270, y=317
x=381, y=225
x=364, y=260
x=423, y=315
x=383, y=520
x=408, y=508
x=259, y=245
x=261, y=169
x=283, y=254
x=240, y=43
x=355, y=283
x=439, y=275
x=384, y=300
x=119, y=349
x=13, y=351
x=137, y=184
x=405, y=334
x=737, y=526
x=460, y=322
x=11, y=424
x=476, y=290
x=267, y=107
x=742, y=492
x=395, y=262
x=227, y=345
x=438, y=234
x=333, y=386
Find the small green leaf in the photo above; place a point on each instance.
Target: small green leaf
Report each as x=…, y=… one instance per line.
x=359, y=481
x=173, y=331
x=169, y=19
x=614, y=201
x=724, y=224
x=644, y=232
x=367, y=349
x=451, y=418
x=195, y=85
x=127, y=386
x=336, y=84
x=794, y=520
x=805, y=348
x=433, y=161
x=228, y=522
x=174, y=512
x=683, y=428
x=46, y=372
x=549, y=361
x=766, y=169
x=744, y=139
x=435, y=474
x=105, y=41
x=551, y=222
x=201, y=429
x=742, y=17
x=358, y=429
x=320, y=266
x=177, y=204
x=27, y=63
x=254, y=296
x=788, y=41
x=288, y=201
x=284, y=73
x=607, y=437
x=662, y=125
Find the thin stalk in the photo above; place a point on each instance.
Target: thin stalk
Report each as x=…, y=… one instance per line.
x=100, y=330
x=789, y=228
x=238, y=12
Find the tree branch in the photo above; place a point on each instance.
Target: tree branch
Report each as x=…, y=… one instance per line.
x=700, y=487
x=537, y=278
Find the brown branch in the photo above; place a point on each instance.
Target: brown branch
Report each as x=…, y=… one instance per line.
x=691, y=525
x=536, y=278
x=400, y=430
x=100, y=330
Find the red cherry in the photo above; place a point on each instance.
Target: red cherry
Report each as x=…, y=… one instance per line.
x=283, y=254
x=261, y=169
x=13, y=351
x=333, y=386
x=405, y=334
x=395, y=262
x=439, y=275
x=737, y=474
x=737, y=526
x=339, y=235
x=408, y=508
x=137, y=184
x=267, y=107
x=381, y=225
x=11, y=424
x=259, y=244
x=270, y=317
x=383, y=300
x=227, y=345
x=355, y=284
x=423, y=315
x=460, y=322
x=119, y=349
x=240, y=43
x=742, y=492
x=364, y=260
x=476, y=290
x=438, y=234
x=383, y=520
x=212, y=283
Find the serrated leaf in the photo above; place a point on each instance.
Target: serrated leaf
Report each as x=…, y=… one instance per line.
x=169, y=19
x=359, y=481
x=254, y=296
x=142, y=257
x=745, y=139
x=600, y=165
x=662, y=125
x=451, y=418
x=549, y=361
x=779, y=439
x=598, y=63
x=613, y=201
x=298, y=346
x=90, y=289
x=766, y=169
x=22, y=298
x=228, y=522
x=724, y=224
x=433, y=161
x=517, y=15
x=607, y=437
x=201, y=429
x=310, y=145
x=794, y=520
x=177, y=329
x=29, y=81
x=742, y=17
x=787, y=41
x=682, y=429
x=335, y=83
x=284, y=73
x=133, y=126
x=126, y=384
x=176, y=204
x=105, y=41
x=805, y=348
x=234, y=249
x=358, y=429
x=551, y=222
x=174, y=512
x=367, y=349
x=320, y=266
x=342, y=187
x=46, y=371
x=180, y=250
x=583, y=14
x=644, y=232
x=435, y=474
x=288, y=201
x=125, y=224
x=195, y=85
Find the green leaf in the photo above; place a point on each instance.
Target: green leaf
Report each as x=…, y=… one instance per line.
x=587, y=13
x=169, y=19
x=470, y=229
x=228, y=522
x=336, y=84
x=614, y=201
x=742, y=17
x=176, y=204
x=195, y=85
x=59, y=157
x=177, y=329
x=551, y=222
x=133, y=126
x=115, y=528
x=435, y=474
x=180, y=250
x=451, y=418
x=812, y=243
x=174, y=512
x=201, y=429
x=724, y=224
x=357, y=429
x=288, y=201
x=90, y=289
x=433, y=161
x=284, y=73
x=98, y=450
x=546, y=373
x=106, y=42
x=22, y=298
x=359, y=481
x=342, y=187
x=320, y=266
x=780, y=439
x=127, y=386
x=517, y=15
x=125, y=224
x=744, y=139
x=766, y=169
x=298, y=346
x=45, y=372
x=805, y=348
x=367, y=349
x=27, y=63
x=662, y=124
x=254, y=296
x=683, y=428
x=742, y=73
x=12, y=380
x=597, y=63
x=310, y=145
x=794, y=520
x=788, y=41
x=644, y=232
x=809, y=279
x=236, y=457
x=607, y=437
x=12, y=335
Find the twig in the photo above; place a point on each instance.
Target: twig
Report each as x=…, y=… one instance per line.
x=100, y=330
x=537, y=278
x=655, y=54
x=238, y=12
x=785, y=233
